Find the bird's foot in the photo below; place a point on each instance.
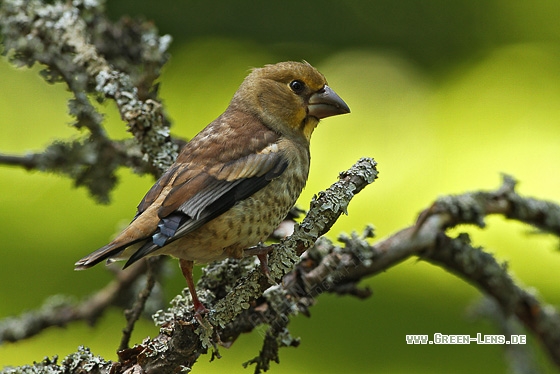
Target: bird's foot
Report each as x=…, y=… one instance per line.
x=199, y=310
x=263, y=258
x=257, y=250
x=261, y=251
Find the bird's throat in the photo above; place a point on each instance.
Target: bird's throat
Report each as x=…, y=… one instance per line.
x=308, y=125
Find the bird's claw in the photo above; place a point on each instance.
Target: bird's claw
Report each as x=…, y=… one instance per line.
x=263, y=258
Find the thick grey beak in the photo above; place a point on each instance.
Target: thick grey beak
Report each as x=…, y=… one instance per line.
x=326, y=103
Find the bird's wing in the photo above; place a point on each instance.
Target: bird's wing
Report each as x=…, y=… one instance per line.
x=156, y=189
x=206, y=184
x=197, y=196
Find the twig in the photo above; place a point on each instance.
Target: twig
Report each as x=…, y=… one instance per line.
x=28, y=161
x=132, y=315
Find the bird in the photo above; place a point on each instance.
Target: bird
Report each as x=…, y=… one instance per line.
x=235, y=181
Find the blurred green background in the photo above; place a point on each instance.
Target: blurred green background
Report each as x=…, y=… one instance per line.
x=444, y=95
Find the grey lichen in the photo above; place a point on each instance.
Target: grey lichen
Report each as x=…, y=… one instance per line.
x=283, y=261
x=276, y=297
x=178, y=310
x=358, y=245
x=81, y=361
x=239, y=299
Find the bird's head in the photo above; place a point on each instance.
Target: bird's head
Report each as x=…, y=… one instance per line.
x=289, y=97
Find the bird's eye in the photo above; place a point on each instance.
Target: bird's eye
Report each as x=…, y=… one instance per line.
x=297, y=86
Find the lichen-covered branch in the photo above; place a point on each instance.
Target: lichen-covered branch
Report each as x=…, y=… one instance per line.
x=97, y=60
x=329, y=268
x=87, y=163
x=182, y=339
x=473, y=207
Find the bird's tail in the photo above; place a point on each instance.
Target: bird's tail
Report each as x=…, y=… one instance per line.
x=111, y=251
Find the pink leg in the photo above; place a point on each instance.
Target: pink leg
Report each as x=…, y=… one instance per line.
x=186, y=268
